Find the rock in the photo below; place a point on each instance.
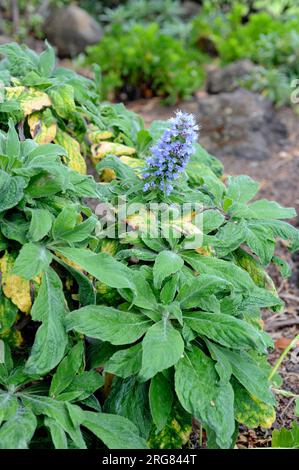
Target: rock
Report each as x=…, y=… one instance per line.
x=240, y=124
x=5, y=39
x=189, y=9
x=226, y=79
x=70, y=29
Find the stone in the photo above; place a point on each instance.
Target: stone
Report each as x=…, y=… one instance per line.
x=71, y=29
x=226, y=79
x=241, y=124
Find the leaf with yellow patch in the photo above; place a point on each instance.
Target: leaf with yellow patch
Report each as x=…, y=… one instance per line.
x=134, y=163
x=251, y=411
x=14, y=287
x=102, y=149
x=75, y=160
x=42, y=131
x=95, y=135
x=33, y=100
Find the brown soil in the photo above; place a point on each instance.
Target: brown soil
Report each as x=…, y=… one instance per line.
x=279, y=178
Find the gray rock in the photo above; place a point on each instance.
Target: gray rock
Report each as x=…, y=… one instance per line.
x=70, y=29
x=226, y=79
x=5, y=39
x=240, y=124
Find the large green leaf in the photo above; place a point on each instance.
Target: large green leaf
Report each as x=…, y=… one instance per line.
x=221, y=268
x=129, y=398
x=32, y=260
x=51, y=338
x=166, y=263
x=241, y=188
x=116, y=432
x=250, y=373
x=65, y=227
x=125, y=362
x=204, y=396
x=40, y=224
x=226, y=330
x=102, y=266
x=67, y=370
x=108, y=324
x=11, y=190
x=160, y=400
x=162, y=348
x=17, y=432
x=190, y=294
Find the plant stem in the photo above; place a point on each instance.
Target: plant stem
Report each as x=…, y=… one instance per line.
x=200, y=435
x=283, y=355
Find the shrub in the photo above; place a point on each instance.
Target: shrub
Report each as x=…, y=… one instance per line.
x=57, y=105
x=115, y=337
x=145, y=62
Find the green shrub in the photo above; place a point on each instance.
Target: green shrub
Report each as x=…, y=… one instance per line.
x=144, y=62
x=114, y=337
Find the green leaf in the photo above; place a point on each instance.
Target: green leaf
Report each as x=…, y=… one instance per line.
x=66, y=415
x=11, y=190
x=87, y=295
x=108, y=324
x=12, y=141
x=32, y=260
x=241, y=188
x=160, y=400
x=102, y=266
x=58, y=435
x=166, y=263
x=82, y=386
x=47, y=61
x=65, y=227
x=8, y=406
x=249, y=373
x=129, y=398
x=125, y=362
x=204, y=396
x=210, y=220
x=162, y=347
x=15, y=227
x=51, y=339
x=221, y=268
x=283, y=266
x=261, y=242
x=226, y=330
x=16, y=433
x=40, y=224
x=191, y=293
x=286, y=438
x=116, y=432
x=67, y=370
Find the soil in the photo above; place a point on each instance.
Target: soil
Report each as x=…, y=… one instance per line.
x=279, y=179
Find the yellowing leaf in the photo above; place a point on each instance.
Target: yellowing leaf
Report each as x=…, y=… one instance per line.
x=95, y=135
x=107, y=175
x=102, y=149
x=30, y=99
x=143, y=220
x=15, y=288
x=13, y=337
x=75, y=160
x=134, y=163
x=41, y=132
x=251, y=411
x=67, y=261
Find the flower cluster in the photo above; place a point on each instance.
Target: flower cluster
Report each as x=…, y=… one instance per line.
x=171, y=153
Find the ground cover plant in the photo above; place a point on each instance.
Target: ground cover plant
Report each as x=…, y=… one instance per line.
x=118, y=327
x=146, y=62
x=269, y=40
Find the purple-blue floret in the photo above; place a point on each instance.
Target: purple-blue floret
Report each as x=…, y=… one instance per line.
x=170, y=156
